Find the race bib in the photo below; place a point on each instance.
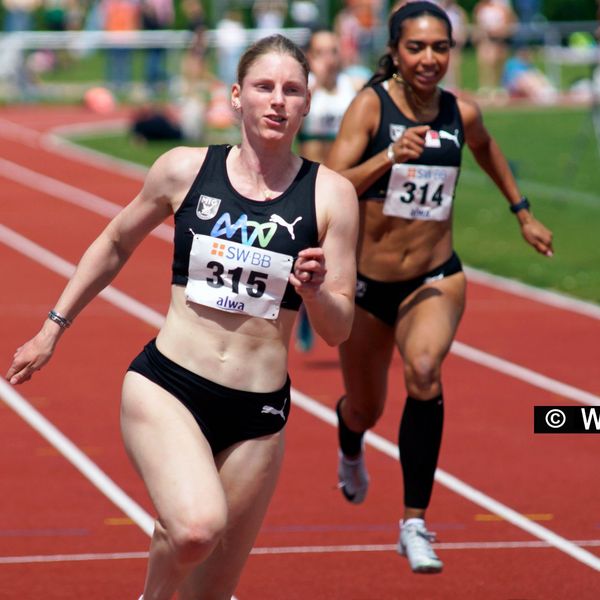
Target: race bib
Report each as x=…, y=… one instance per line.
x=236, y=278
x=420, y=192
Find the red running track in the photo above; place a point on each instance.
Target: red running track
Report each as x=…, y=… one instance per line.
x=61, y=537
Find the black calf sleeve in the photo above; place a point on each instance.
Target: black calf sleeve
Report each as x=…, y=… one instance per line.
x=419, y=441
x=350, y=441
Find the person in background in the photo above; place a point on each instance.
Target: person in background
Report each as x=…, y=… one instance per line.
x=258, y=231
x=269, y=14
x=460, y=24
x=120, y=16
x=400, y=144
x=522, y=79
x=494, y=22
x=18, y=14
x=230, y=41
x=156, y=15
x=332, y=91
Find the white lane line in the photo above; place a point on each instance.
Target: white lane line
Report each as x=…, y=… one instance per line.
x=69, y=193
x=277, y=550
x=527, y=375
x=131, y=306
x=516, y=288
x=87, y=557
x=393, y=547
x=76, y=457
x=55, y=263
x=60, y=145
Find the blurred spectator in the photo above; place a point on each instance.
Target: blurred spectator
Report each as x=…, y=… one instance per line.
x=63, y=15
x=494, y=22
x=460, y=21
x=151, y=122
x=332, y=91
x=193, y=63
x=18, y=14
x=523, y=80
x=355, y=25
x=231, y=39
x=156, y=15
x=196, y=78
x=269, y=14
x=120, y=16
x=55, y=15
x=530, y=29
x=304, y=13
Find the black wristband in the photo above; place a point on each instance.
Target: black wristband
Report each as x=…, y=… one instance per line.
x=522, y=204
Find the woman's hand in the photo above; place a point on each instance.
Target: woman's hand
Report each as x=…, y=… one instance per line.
x=309, y=271
x=411, y=143
x=31, y=357
x=538, y=235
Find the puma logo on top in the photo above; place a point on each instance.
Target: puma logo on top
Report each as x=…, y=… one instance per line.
x=289, y=226
x=453, y=137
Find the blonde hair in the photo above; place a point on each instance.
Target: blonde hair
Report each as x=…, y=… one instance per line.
x=273, y=43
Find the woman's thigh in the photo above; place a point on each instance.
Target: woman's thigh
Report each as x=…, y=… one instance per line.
x=249, y=471
x=365, y=359
x=428, y=320
x=169, y=451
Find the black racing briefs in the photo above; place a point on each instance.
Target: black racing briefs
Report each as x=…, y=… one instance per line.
x=382, y=299
x=225, y=416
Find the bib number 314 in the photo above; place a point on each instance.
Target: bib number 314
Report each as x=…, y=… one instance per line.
x=420, y=192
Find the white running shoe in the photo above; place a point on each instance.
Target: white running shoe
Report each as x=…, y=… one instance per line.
x=415, y=543
x=353, y=477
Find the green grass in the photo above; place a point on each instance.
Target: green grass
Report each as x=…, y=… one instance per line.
x=554, y=154
x=556, y=161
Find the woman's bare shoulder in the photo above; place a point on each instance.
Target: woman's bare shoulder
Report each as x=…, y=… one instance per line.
x=180, y=163
x=172, y=174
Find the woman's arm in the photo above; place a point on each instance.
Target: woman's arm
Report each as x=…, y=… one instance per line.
x=356, y=129
x=490, y=158
x=105, y=257
x=325, y=277
x=358, y=126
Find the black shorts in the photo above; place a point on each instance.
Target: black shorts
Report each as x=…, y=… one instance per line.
x=382, y=299
x=225, y=416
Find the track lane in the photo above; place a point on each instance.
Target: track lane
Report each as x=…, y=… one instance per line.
x=387, y=473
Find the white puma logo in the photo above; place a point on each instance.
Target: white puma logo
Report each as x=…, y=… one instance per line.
x=433, y=278
x=289, y=226
x=273, y=411
x=453, y=137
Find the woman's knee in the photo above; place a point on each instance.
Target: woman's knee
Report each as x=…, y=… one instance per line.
x=193, y=537
x=422, y=373
x=364, y=415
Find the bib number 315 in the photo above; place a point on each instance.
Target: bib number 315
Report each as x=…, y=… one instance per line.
x=237, y=278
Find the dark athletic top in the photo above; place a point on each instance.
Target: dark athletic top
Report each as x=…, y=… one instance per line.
x=214, y=208
x=392, y=122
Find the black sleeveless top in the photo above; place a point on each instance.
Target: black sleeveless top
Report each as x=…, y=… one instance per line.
x=447, y=127
x=213, y=207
